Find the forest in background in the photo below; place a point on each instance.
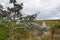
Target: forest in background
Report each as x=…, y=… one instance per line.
x=5, y=32
x=48, y=22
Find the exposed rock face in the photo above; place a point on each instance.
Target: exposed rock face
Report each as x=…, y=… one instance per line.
x=38, y=31
x=46, y=34
x=44, y=25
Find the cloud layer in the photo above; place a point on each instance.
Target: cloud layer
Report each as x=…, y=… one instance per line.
x=46, y=9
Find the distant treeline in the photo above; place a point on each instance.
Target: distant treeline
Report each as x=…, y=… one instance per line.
x=48, y=22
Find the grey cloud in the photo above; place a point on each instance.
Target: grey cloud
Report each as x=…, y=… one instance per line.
x=48, y=9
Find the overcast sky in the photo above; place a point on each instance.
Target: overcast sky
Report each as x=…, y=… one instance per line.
x=46, y=9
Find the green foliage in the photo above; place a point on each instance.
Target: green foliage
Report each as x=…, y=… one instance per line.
x=7, y=22
x=4, y=33
x=20, y=25
x=18, y=33
x=57, y=26
x=45, y=38
x=48, y=22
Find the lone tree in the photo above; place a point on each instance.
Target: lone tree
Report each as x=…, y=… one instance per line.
x=53, y=29
x=13, y=15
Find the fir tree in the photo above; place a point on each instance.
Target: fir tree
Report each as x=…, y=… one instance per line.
x=14, y=15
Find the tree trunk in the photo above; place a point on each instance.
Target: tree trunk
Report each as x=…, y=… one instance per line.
x=25, y=35
x=12, y=33
x=52, y=34
x=12, y=29
x=13, y=24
